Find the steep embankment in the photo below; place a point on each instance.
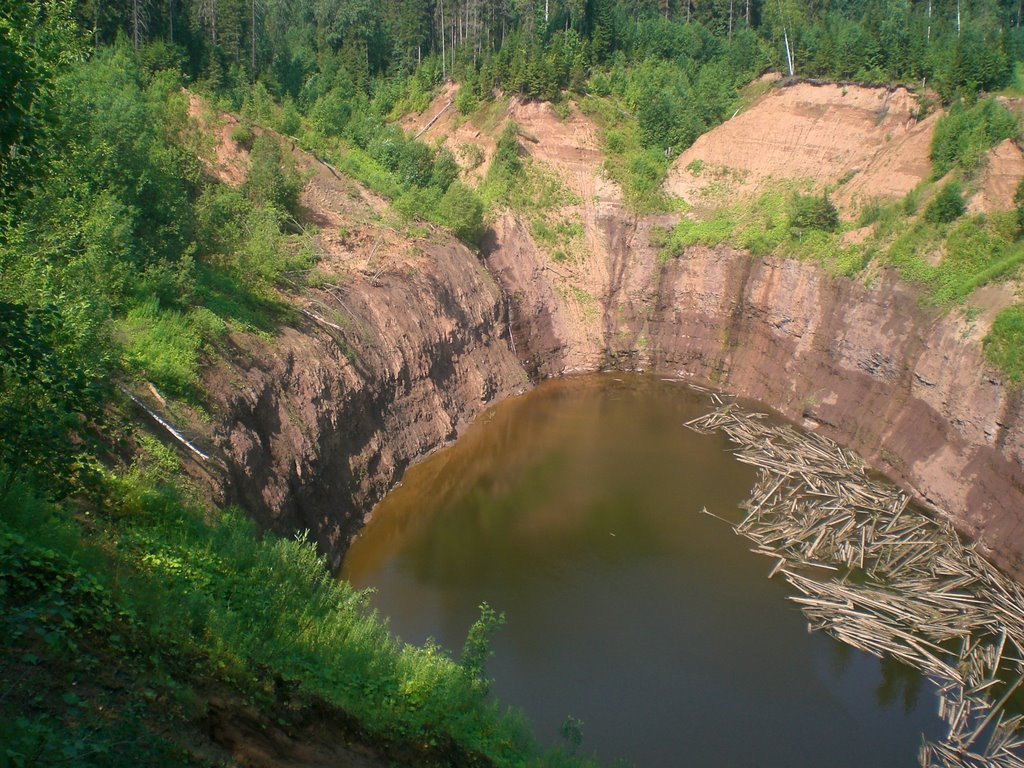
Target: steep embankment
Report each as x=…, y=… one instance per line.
x=403, y=341
x=410, y=340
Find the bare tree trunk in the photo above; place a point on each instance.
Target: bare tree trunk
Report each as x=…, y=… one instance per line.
x=688, y=4
x=748, y=13
x=730, y=18
x=789, y=53
x=252, y=37
x=208, y=14
x=444, y=75
x=928, y=32
x=958, y=18
x=135, y=25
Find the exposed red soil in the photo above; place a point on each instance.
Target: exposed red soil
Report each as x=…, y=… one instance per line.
x=1003, y=170
x=229, y=163
x=869, y=138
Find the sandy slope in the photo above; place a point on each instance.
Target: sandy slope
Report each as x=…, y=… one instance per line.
x=868, y=138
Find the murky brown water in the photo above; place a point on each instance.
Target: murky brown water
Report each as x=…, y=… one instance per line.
x=574, y=511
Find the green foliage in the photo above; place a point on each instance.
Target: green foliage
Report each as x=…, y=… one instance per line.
x=1018, y=201
x=37, y=42
x=639, y=171
x=272, y=179
x=964, y=134
x=571, y=732
x=466, y=101
x=947, y=205
x=253, y=614
x=506, y=158
x=976, y=250
x=1004, y=344
x=50, y=402
x=477, y=648
x=162, y=346
x=242, y=134
x=462, y=210
x=813, y=212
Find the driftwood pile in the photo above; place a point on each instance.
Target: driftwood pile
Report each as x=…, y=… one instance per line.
x=875, y=573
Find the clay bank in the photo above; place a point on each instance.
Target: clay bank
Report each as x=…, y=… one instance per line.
x=418, y=334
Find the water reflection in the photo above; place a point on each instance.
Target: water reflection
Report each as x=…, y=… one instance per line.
x=573, y=510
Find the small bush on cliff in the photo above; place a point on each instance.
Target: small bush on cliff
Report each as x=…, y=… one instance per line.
x=813, y=212
x=948, y=205
x=506, y=156
x=462, y=209
x=272, y=178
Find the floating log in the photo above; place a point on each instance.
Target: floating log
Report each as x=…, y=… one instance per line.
x=815, y=508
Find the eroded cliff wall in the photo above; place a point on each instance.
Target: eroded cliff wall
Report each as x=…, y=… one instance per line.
x=905, y=386
x=317, y=424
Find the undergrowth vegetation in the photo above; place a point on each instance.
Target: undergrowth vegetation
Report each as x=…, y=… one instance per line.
x=192, y=599
x=948, y=259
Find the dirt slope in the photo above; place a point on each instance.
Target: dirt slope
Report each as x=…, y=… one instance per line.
x=821, y=133
x=1003, y=170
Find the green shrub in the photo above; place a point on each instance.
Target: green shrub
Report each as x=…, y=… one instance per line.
x=289, y=120
x=331, y=113
x=947, y=205
x=418, y=203
x=506, y=156
x=445, y=170
x=466, y=101
x=463, y=210
x=272, y=178
x=813, y=212
x=242, y=134
x=472, y=154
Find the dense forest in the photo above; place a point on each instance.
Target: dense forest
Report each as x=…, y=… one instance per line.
x=122, y=262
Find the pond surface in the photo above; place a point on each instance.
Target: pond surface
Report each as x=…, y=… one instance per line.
x=574, y=510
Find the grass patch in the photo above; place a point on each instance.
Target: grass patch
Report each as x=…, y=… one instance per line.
x=162, y=346
x=536, y=192
x=949, y=260
x=952, y=261
x=1004, y=344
